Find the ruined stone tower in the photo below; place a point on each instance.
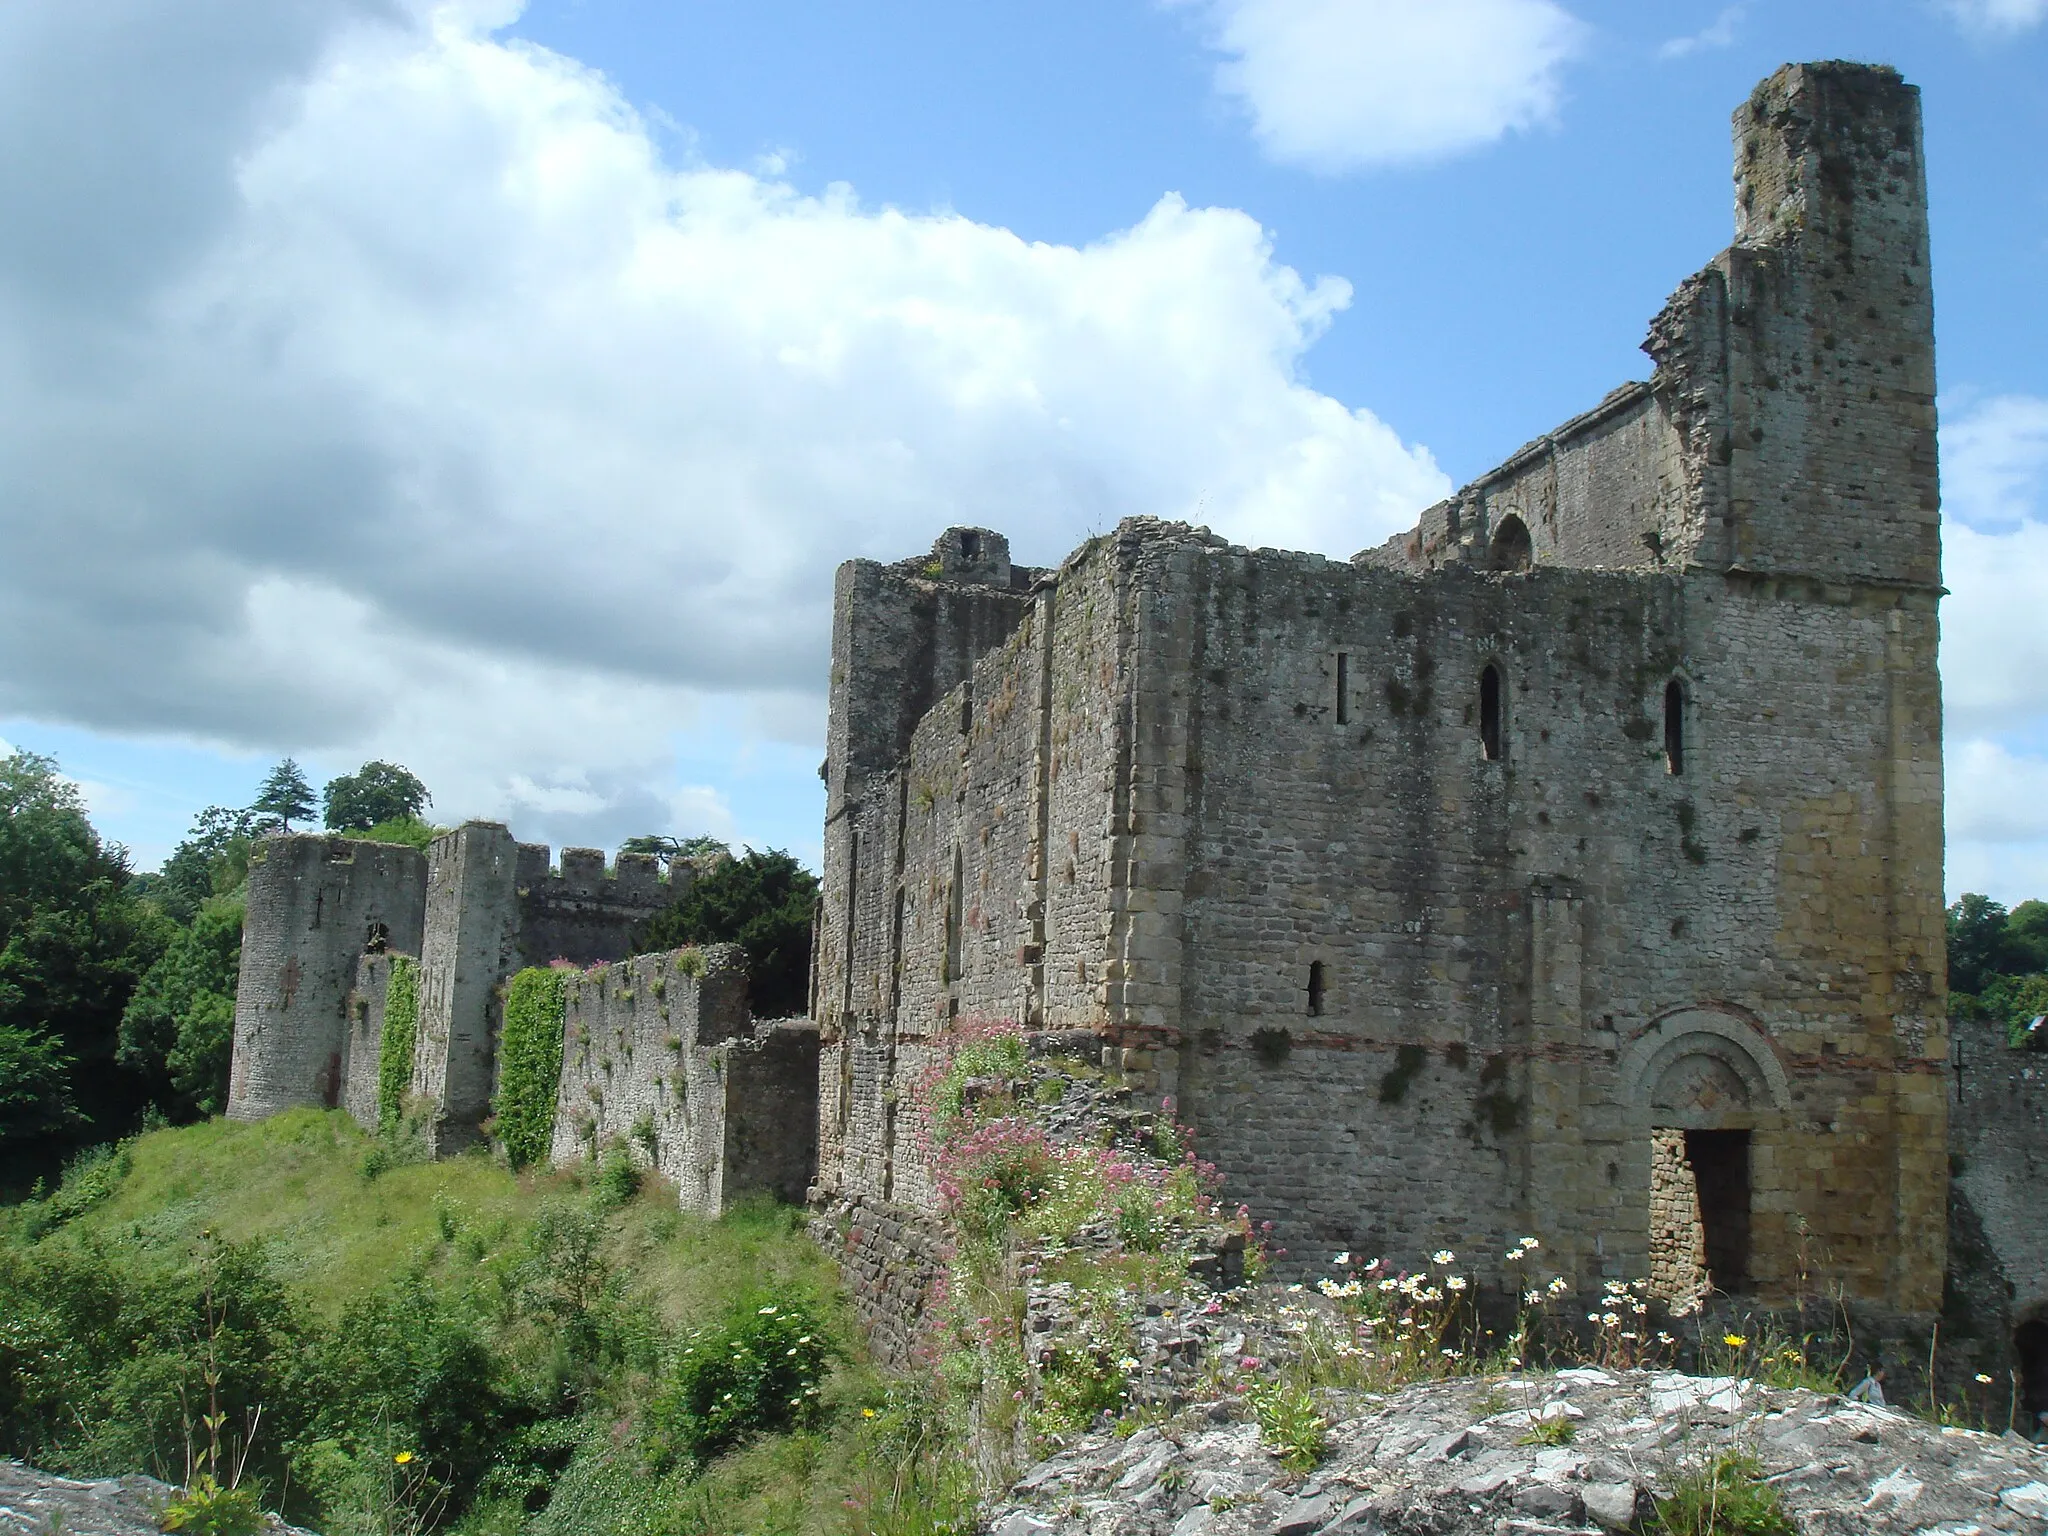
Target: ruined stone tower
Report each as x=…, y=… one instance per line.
x=1570, y=865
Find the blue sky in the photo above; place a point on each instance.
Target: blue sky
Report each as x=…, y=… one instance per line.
x=494, y=388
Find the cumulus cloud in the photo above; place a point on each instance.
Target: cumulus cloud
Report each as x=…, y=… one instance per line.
x=1997, y=18
x=1337, y=85
x=370, y=384
x=1994, y=650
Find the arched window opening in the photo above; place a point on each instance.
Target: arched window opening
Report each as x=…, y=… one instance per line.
x=1491, y=741
x=1315, y=989
x=1510, y=548
x=1674, y=726
x=970, y=544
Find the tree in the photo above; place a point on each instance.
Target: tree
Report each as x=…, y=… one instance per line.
x=180, y=1022
x=1979, y=947
x=73, y=941
x=213, y=860
x=35, y=1085
x=375, y=793
x=674, y=850
x=286, y=797
x=763, y=902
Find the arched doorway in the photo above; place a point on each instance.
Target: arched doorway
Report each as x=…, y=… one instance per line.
x=1703, y=1082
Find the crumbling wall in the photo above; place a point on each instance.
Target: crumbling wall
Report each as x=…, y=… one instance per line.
x=1999, y=1136
x=661, y=1056
x=362, y=1056
x=585, y=913
x=315, y=901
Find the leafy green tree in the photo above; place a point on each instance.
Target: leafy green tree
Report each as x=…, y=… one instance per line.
x=375, y=793
x=2026, y=930
x=408, y=830
x=35, y=1085
x=763, y=902
x=285, y=797
x=213, y=860
x=180, y=1024
x=73, y=942
x=1979, y=947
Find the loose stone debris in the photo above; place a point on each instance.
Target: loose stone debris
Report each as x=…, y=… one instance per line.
x=1459, y=1458
x=36, y=1503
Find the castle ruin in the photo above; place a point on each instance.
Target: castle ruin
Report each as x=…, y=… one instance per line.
x=1570, y=865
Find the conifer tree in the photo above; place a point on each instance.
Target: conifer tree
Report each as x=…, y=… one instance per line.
x=286, y=797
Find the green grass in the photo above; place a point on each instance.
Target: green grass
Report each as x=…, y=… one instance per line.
x=295, y=1181
x=873, y=1459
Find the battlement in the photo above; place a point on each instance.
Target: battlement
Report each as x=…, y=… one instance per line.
x=635, y=880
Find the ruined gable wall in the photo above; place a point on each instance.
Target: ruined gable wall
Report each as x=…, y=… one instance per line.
x=361, y=1057
x=314, y=901
x=1526, y=920
x=1610, y=489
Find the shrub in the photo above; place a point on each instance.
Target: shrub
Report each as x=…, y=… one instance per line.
x=530, y=1063
x=756, y=1373
x=1289, y=1424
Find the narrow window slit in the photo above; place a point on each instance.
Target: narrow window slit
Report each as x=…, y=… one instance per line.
x=1343, y=688
x=1490, y=738
x=1315, y=989
x=1674, y=727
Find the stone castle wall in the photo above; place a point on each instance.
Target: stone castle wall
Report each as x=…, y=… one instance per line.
x=1999, y=1124
x=1419, y=976
x=662, y=1056
x=315, y=903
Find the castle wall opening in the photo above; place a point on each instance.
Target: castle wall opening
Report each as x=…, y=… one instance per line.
x=1720, y=1168
x=1674, y=727
x=2030, y=1344
x=1491, y=741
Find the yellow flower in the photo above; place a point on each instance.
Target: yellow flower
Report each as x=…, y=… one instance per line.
x=867, y=1413
x=402, y=1457
x=1733, y=1340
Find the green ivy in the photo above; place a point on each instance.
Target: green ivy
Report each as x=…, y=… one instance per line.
x=530, y=1063
x=401, y=1033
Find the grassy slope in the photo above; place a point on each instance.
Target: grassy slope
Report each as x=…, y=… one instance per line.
x=296, y=1181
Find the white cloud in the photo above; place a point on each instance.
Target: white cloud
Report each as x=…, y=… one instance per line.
x=1997, y=18
x=1994, y=658
x=1335, y=85
x=1719, y=34
x=1995, y=461
x=407, y=403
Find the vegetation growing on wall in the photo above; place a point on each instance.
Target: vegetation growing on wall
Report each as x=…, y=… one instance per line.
x=396, y=1047
x=530, y=1063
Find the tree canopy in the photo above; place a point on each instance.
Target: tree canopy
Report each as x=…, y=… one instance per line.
x=764, y=903
x=376, y=793
x=1997, y=961
x=74, y=938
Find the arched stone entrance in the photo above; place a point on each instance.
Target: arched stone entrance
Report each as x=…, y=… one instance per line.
x=2030, y=1345
x=1702, y=1082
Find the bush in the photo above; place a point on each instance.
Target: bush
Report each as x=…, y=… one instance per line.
x=756, y=1373
x=763, y=902
x=1725, y=1497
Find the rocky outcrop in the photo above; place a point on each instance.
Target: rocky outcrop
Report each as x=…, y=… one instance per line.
x=1576, y=1451
x=36, y=1503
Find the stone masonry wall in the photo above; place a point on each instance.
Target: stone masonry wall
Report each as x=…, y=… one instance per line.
x=1999, y=1133
x=314, y=902
x=361, y=1057
x=661, y=1056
